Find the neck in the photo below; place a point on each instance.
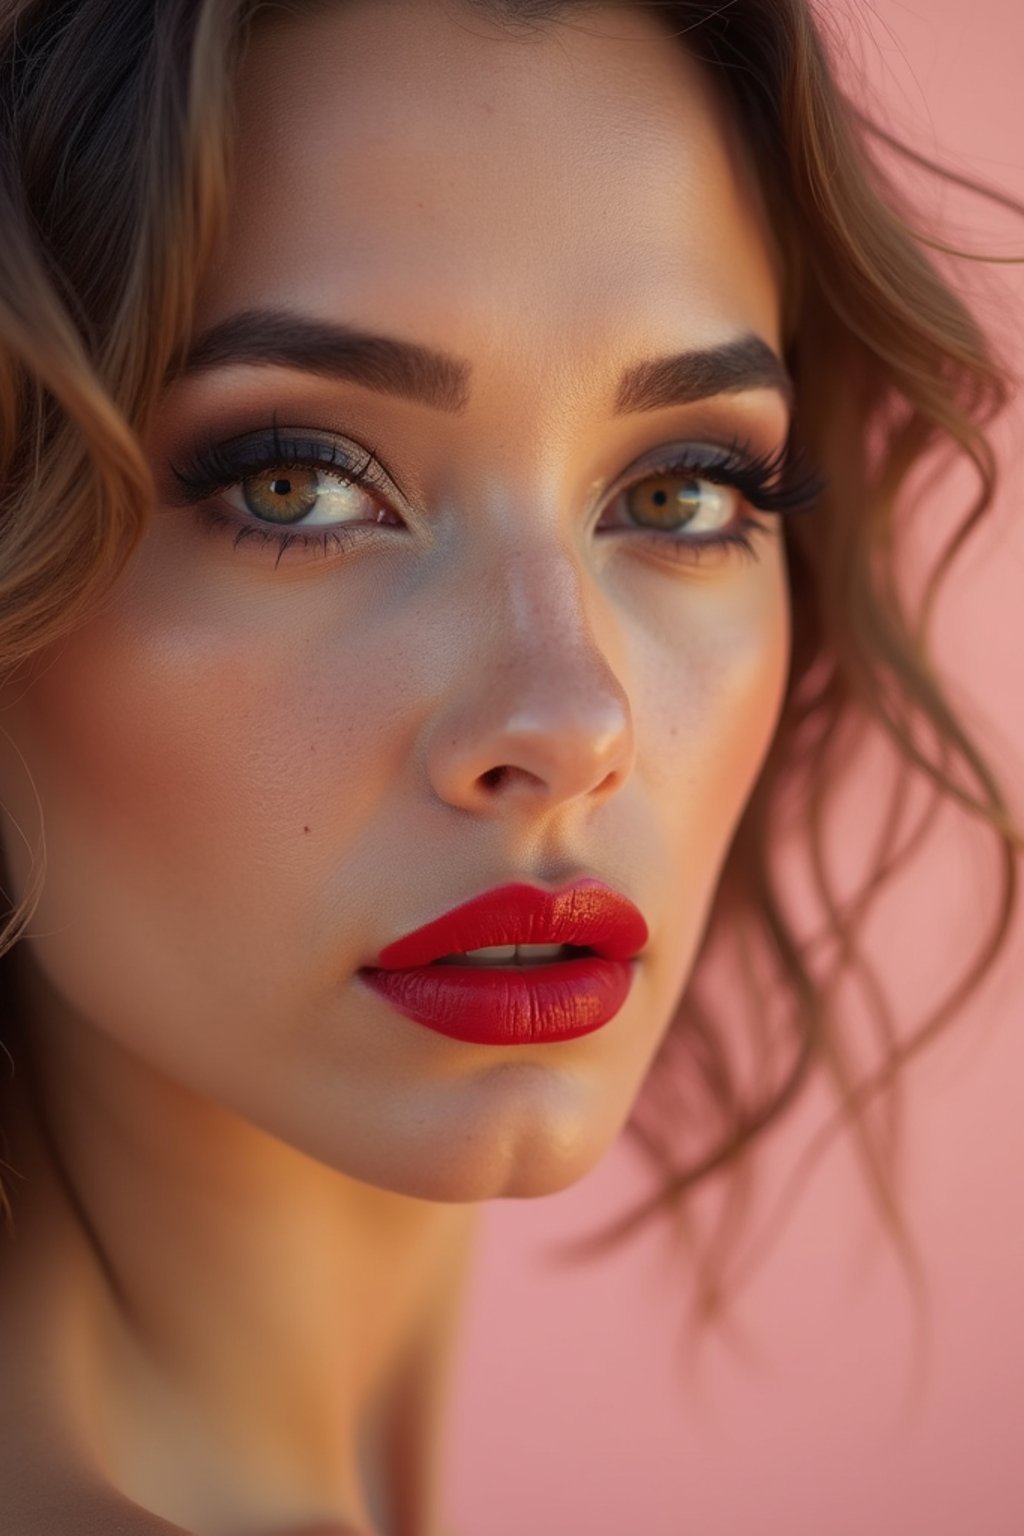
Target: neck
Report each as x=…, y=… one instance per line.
x=253, y=1337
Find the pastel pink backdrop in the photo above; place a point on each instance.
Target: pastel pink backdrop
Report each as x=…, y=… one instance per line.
x=569, y=1411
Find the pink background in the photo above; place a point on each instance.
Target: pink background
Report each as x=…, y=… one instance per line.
x=570, y=1411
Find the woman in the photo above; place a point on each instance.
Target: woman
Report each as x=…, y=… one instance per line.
x=450, y=453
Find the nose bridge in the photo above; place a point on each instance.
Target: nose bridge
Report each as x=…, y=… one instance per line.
x=535, y=585
x=525, y=518
x=544, y=633
x=539, y=697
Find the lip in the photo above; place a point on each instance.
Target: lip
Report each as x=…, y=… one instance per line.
x=516, y=1005
x=587, y=913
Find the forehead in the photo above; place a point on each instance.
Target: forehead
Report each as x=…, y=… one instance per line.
x=578, y=192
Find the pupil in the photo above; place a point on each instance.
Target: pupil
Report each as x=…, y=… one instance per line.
x=282, y=499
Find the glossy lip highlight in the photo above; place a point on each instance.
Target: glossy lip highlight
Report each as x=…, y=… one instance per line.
x=588, y=914
x=525, y=1005
x=504, y=1005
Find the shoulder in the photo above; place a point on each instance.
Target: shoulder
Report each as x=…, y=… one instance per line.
x=84, y=1520
x=82, y=1512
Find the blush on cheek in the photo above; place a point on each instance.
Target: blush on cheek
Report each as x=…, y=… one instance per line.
x=165, y=897
x=159, y=770
x=133, y=760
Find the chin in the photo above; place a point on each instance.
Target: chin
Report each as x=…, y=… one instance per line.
x=526, y=1176
x=516, y=1151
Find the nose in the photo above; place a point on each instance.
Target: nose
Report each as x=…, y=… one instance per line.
x=536, y=715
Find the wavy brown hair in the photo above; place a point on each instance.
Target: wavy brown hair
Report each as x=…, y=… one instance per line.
x=115, y=145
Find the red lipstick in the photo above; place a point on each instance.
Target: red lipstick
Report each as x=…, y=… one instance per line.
x=516, y=1002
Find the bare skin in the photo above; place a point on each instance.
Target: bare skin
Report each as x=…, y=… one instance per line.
x=230, y=1298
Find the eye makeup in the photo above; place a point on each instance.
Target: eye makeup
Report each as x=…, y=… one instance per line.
x=264, y=490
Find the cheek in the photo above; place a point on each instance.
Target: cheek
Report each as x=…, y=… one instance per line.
x=726, y=700
x=743, y=696
x=178, y=765
x=722, y=720
x=140, y=756
x=182, y=743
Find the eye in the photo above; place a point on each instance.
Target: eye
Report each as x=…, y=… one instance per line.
x=289, y=495
x=674, y=502
x=300, y=493
x=691, y=507
x=688, y=518
x=281, y=490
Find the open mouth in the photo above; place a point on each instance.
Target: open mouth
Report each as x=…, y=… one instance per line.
x=514, y=956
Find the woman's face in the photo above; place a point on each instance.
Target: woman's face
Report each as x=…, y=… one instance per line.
x=260, y=764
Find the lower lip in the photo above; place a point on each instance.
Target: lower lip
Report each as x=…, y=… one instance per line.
x=524, y=1005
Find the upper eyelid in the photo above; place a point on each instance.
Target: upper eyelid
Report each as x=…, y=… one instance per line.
x=259, y=447
x=295, y=442
x=259, y=450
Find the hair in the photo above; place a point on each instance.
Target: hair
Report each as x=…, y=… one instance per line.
x=115, y=158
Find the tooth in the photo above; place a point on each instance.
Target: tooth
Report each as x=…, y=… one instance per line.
x=499, y=952
x=505, y=954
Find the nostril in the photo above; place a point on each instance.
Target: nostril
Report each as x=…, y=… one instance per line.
x=494, y=776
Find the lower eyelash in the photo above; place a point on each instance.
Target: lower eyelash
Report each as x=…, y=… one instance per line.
x=337, y=540
x=328, y=540
x=739, y=538
x=772, y=483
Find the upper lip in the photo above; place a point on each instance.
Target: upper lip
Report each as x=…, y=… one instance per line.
x=587, y=913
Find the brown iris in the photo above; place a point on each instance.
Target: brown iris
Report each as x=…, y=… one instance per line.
x=667, y=499
x=281, y=495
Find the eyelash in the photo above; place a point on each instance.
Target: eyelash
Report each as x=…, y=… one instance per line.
x=780, y=482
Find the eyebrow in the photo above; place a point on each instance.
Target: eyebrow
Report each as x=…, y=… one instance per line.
x=441, y=380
